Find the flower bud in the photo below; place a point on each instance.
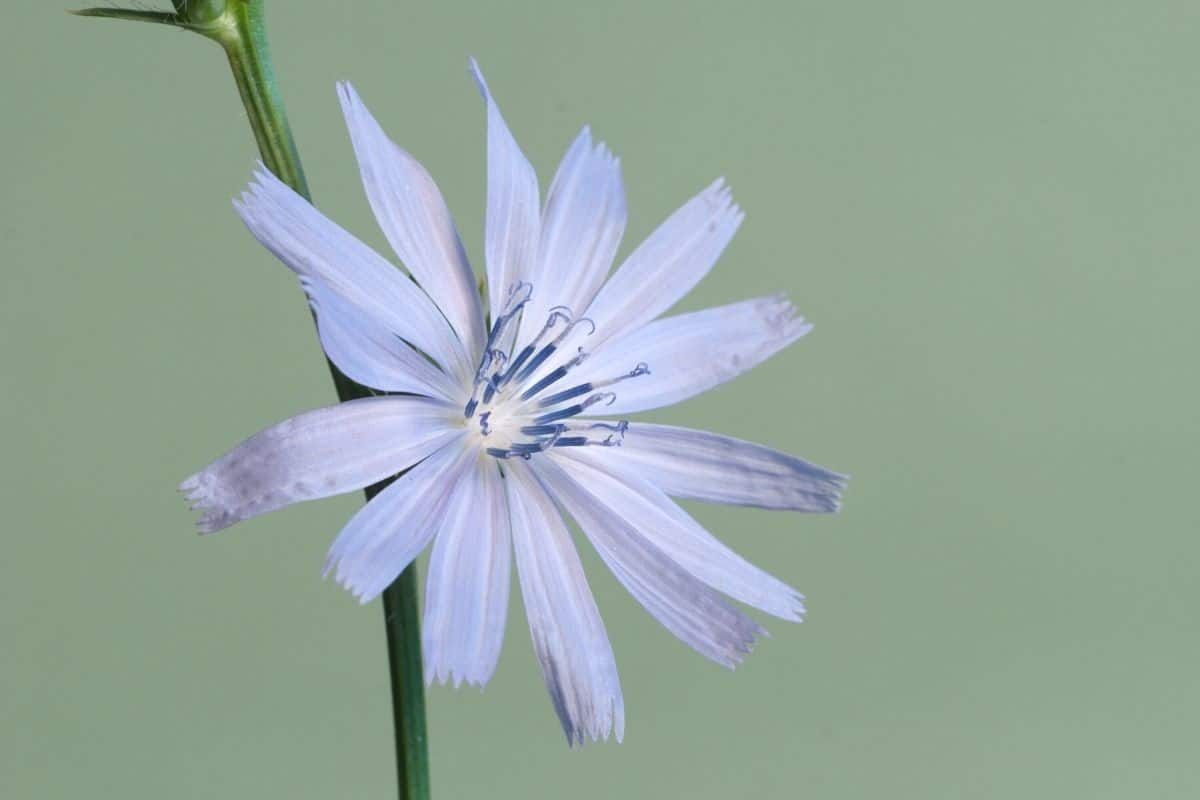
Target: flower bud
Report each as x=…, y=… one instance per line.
x=200, y=12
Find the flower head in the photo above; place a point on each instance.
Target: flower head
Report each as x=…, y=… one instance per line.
x=501, y=428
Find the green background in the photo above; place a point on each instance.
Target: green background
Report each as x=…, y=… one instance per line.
x=988, y=209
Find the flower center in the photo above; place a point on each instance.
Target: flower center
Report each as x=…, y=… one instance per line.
x=518, y=413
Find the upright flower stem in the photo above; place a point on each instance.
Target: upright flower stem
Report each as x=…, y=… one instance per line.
x=239, y=26
x=250, y=60
x=245, y=43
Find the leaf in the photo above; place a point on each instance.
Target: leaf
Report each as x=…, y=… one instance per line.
x=160, y=17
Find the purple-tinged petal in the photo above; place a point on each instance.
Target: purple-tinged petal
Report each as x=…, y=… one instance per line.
x=393, y=528
x=414, y=217
x=467, y=585
x=569, y=638
x=688, y=354
x=682, y=603
x=511, y=235
x=666, y=526
x=315, y=247
x=711, y=468
x=372, y=355
x=319, y=454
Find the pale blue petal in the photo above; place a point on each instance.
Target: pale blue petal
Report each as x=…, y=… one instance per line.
x=682, y=603
x=691, y=353
x=392, y=529
x=467, y=585
x=581, y=229
x=414, y=217
x=372, y=355
x=643, y=507
x=314, y=246
x=511, y=235
x=667, y=265
x=318, y=454
x=698, y=465
x=569, y=638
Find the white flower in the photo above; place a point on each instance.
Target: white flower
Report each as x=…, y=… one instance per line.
x=496, y=429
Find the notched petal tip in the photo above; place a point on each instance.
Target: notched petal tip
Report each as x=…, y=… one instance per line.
x=201, y=495
x=360, y=592
x=576, y=739
x=263, y=180
x=595, y=724
x=782, y=318
x=834, y=485
x=351, y=102
x=609, y=724
x=737, y=652
x=355, y=584
x=797, y=612
x=442, y=675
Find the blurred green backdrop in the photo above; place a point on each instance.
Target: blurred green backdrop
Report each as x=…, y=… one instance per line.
x=988, y=209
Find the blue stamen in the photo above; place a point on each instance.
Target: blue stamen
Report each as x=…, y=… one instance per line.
x=490, y=391
x=498, y=359
x=537, y=361
x=540, y=430
x=556, y=375
x=549, y=349
x=619, y=428
x=572, y=441
x=562, y=413
x=578, y=408
x=556, y=313
x=484, y=364
x=512, y=309
x=516, y=364
x=566, y=394
x=641, y=369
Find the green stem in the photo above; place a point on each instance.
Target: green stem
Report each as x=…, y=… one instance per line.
x=244, y=38
x=402, y=618
x=251, y=64
x=240, y=28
